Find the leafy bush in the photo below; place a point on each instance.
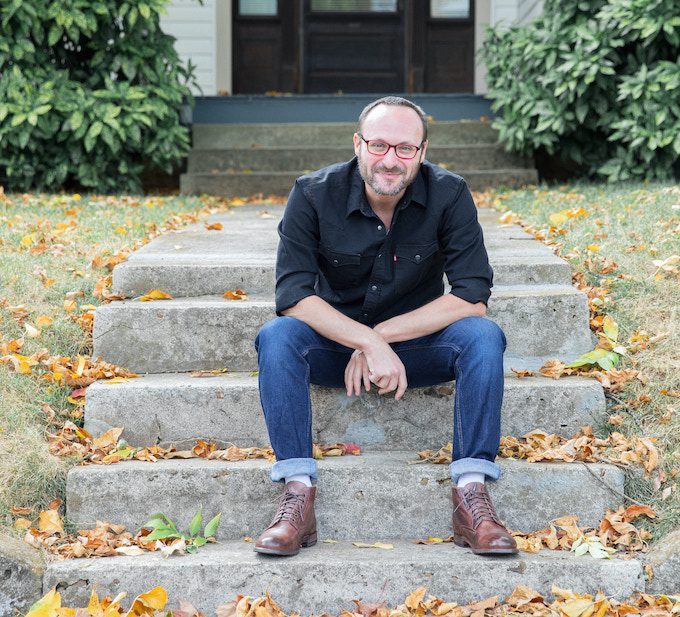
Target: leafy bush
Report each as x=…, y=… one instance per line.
x=594, y=81
x=90, y=93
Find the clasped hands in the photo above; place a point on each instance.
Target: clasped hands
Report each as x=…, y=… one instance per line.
x=378, y=364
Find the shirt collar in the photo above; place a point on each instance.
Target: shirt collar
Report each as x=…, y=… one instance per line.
x=356, y=199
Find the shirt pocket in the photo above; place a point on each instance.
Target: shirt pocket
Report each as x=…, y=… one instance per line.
x=411, y=263
x=341, y=270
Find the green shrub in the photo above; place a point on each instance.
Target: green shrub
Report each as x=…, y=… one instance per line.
x=90, y=94
x=596, y=82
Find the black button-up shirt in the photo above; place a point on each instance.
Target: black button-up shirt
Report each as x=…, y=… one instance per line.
x=333, y=245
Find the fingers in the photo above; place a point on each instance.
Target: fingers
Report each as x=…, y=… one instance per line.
x=366, y=375
x=401, y=388
x=356, y=371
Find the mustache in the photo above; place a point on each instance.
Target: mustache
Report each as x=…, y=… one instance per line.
x=389, y=170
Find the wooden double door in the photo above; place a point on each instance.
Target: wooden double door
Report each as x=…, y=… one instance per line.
x=353, y=46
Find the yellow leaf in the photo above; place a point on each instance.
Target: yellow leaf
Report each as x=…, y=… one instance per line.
x=44, y=320
x=120, y=230
x=415, y=598
x=147, y=603
x=27, y=240
x=577, y=607
x=50, y=522
x=593, y=247
x=69, y=306
x=47, y=606
x=22, y=524
x=611, y=328
x=76, y=197
x=155, y=294
x=558, y=218
x=116, y=380
x=374, y=545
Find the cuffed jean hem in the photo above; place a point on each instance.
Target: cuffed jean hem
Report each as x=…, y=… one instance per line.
x=479, y=465
x=281, y=470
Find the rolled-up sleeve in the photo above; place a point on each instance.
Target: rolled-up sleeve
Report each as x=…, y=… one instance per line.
x=466, y=262
x=297, y=255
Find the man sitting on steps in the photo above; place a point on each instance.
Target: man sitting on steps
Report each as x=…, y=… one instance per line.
x=360, y=301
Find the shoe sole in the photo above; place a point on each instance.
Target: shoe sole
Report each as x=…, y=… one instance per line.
x=307, y=542
x=491, y=551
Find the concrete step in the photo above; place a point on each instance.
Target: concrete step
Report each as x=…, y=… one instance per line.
x=241, y=184
x=210, y=332
x=189, y=274
x=221, y=136
x=324, y=579
x=179, y=408
x=313, y=156
x=196, y=262
x=378, y=495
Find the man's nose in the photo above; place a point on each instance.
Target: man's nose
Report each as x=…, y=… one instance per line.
x=391, y=156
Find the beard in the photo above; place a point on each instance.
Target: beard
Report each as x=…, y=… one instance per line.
x=387, y=190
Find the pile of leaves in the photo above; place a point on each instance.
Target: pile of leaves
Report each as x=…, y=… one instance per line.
x=523, y=600
x=109, y=448
x=159, y=533
x=538, y=446
x=615, y=533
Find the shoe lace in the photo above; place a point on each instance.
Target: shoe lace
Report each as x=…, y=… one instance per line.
x=480, y=507
x=291, y=507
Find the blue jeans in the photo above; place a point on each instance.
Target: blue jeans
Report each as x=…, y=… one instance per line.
x=291, y=355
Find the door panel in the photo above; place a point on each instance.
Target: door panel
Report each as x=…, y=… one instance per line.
x=354, y=50
x=353, y=46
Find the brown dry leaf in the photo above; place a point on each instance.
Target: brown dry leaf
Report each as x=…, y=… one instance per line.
x=213, y=373
x=415, y=598
x=522, y=373
x=238, y=294
x=50, y=522
x=374, y=545
x=554, y=369
x=368, y=609
x=214, y=226
x=155, y=294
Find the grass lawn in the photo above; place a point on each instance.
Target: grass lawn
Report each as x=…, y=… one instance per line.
x=48, y=243
x=614, y=241
x=47, y=247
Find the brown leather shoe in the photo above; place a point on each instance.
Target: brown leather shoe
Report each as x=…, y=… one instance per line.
x=293, y=525
x=476, y=524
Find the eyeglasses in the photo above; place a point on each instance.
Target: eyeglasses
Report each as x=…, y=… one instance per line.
x=380, y=148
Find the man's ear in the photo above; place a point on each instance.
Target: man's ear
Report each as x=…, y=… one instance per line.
x=423, y=151
x=357, y=144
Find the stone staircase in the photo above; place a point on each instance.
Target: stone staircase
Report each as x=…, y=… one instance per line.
x=378, y=496
x=244, y=159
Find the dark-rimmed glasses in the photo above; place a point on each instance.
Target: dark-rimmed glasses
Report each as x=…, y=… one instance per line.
x=381, y=148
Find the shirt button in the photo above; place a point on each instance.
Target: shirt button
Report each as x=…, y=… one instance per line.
x=417, y=257
x=365, y=314
x=379, y=255
x=374, y=287
x=379, y=227
x=335, y=261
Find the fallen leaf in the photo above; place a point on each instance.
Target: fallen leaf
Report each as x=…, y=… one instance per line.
x=374, y=545
x=50, y=522
x=155, y=294
x=239, y=294
x=214, y=226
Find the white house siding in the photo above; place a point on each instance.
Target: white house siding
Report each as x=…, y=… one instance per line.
x=499, y=14
x=529, y=9
x=195, y=28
